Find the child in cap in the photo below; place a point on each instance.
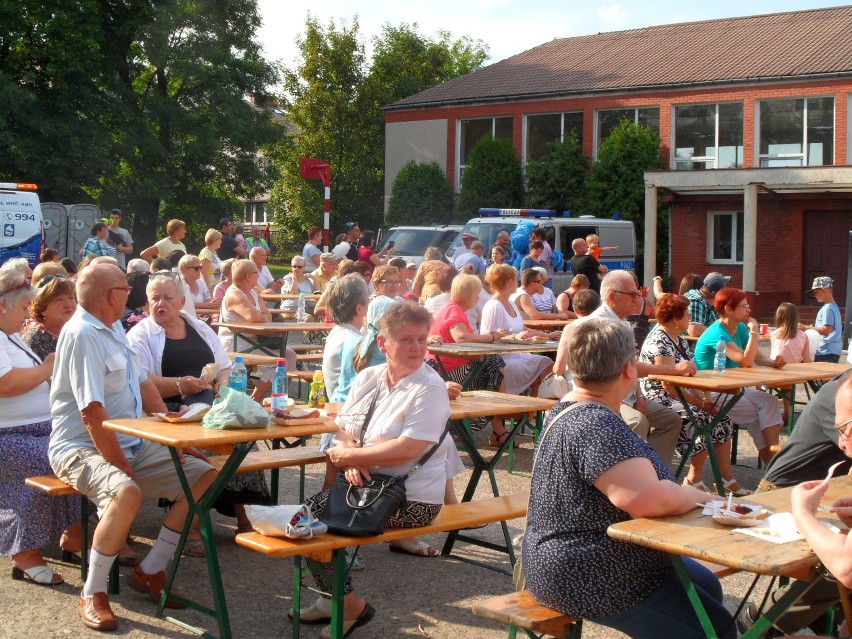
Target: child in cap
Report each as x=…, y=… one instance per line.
x=828, y=323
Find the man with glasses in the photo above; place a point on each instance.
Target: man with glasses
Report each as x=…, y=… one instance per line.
x=658, y=425
x=820, y=439
x=119, y=238
x=98, y=377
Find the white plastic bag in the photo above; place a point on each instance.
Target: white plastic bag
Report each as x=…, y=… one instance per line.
x=555, y=386
x=293, y=521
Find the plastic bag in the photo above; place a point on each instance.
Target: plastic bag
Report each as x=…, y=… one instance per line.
x=294, y=522
x=555, y=386
x=233, y=409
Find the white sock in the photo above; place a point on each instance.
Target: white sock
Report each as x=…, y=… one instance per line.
x=99, y=567
x=163, y=550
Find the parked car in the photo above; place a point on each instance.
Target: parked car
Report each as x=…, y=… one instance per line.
x=410, y=242
x=560, y=232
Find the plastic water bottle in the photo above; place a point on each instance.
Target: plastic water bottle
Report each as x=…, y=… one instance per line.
x=279, y=386
x=238, y=377
x=300, y=309
x=316, y=396
x=721, y=356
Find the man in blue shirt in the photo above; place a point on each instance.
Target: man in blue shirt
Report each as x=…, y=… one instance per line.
x=828, y=323
x=98, y=377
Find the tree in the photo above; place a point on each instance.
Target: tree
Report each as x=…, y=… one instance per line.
x=557, y=180
x=335, y=99
x=493, y=178
x=420, y=195
x=617, y=182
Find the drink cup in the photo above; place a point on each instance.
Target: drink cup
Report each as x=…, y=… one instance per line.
x=764, y=329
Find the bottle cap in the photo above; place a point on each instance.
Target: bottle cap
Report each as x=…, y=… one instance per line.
x=238, y=359
x=318, y=376
x=281, y=362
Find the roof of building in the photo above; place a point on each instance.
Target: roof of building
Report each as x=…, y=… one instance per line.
x=797, y=44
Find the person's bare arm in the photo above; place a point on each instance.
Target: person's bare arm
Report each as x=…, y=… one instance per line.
x=833, y=549
x=315, y=258
x=237, y=302
x=149, y=253
x=695, y=329
x=460, y=334
x=22, y=380
x=528, y=308
x=106, y=441
x=152, y=402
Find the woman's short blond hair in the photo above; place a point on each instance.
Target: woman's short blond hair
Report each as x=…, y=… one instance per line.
x=580, y=281
x=465, y=289
x=46, y=268
x=49, y=292
x=227, y=267
x=500, y=276
x=211, y=236
x=174, y=226
x=381, y=272
x=240, y=269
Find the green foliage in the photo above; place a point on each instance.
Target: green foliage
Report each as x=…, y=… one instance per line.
x=335, y=99
x=617, y=183
x=493, y=178
x=136, y=104
x=557, y=180
x=420, y=195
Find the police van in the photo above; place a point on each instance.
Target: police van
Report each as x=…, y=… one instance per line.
x=20, y=215
x=560, y=230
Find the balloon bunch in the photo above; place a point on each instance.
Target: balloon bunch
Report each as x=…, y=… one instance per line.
x=520, y=239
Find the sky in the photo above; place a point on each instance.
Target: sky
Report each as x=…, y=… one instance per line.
x=508, y=27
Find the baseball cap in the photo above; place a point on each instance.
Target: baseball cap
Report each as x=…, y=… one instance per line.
x=822, y=282
x=349, y=225
x=715, y=282
x=540, y=270
x=328, y=257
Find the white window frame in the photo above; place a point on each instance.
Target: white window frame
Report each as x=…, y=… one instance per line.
x=696, y=158
x=803, y=156
x=459, y=167
x=711, y=240
x=597, y=132
x=252, y=208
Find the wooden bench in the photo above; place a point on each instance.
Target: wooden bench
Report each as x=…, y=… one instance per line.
x=521, y=610
x=330, y=547
x=308, y=357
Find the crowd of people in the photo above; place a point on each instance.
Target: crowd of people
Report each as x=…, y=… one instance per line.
x=109, y=338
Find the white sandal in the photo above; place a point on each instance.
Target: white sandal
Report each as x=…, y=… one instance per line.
x=41, y=575
x=742, y=492
x=699, y=485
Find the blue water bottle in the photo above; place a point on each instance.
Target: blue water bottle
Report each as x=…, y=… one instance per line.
x=279, y=386
x=238, y=377
x=721, y=356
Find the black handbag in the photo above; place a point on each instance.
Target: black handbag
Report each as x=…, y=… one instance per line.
x=363, y=511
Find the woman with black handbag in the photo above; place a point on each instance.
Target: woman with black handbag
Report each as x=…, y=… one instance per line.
x=392, y=428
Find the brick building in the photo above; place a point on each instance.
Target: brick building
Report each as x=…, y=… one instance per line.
x=738, y=103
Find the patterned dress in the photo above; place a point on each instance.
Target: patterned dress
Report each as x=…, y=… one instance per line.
x=659, y=344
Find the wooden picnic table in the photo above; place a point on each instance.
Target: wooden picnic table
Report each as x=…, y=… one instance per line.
x=194, y=435
x=730, y=383
x=699, y=537
x=278, y=297
x=471, y=404
x=282, y=330
x=478, y=352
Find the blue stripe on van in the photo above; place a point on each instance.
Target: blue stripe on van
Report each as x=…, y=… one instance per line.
x=29, y=248
x=625, y=265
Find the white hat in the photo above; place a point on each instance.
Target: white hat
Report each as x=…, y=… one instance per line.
x=341, y=250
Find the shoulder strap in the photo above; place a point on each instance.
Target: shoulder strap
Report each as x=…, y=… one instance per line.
x=676, y=344
x=562, y=414
x=370, y=411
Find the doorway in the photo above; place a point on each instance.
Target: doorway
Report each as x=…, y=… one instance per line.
x=826, y=245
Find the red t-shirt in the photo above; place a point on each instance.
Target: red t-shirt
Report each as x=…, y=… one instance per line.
x=365, y=253
x=448, y=316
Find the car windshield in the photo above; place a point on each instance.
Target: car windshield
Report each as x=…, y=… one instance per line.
x=486, y=232
x=414, y=241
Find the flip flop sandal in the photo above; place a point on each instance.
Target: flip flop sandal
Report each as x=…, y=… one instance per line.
x=351, y=624
x=495, y=441
x=41, y=575
x=419, y=549
x=194, y=548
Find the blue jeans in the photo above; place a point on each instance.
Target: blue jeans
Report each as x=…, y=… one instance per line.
x=668, y=613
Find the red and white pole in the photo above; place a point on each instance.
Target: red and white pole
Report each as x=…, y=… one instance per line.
x=326, y=221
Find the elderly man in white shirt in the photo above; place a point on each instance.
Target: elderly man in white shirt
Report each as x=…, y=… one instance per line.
x=266, y=283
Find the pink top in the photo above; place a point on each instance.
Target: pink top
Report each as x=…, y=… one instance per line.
x=449, y=315
x=792, y=350
x=219, y=291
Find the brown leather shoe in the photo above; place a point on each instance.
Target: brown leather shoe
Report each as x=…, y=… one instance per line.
x=152, y=585
x=96, y=613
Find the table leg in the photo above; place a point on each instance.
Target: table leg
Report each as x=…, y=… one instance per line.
x=201, y=509
x=724, y=409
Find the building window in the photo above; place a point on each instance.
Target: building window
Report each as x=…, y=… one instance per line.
x=472, y=131
x=255, y=213
x=708, y=136
x=725, y=237
x=550, y=127
x=797, y=132
x=609, y=120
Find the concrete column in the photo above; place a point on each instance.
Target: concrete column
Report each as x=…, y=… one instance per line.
x=650, y=235
x=750, y=237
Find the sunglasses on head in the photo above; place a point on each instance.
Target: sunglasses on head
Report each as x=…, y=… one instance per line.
x=25, y=284
x=49, y=278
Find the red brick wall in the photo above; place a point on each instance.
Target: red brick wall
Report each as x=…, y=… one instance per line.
x=780, y=246
x=749, y=94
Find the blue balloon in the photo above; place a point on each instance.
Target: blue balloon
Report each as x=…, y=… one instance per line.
x=557, y=260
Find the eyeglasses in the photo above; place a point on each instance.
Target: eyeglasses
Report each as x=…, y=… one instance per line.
x=126, y=289
x=841, y=430
x=390, y=282
x=50, y=278
x=634, y=294
x=196, y=268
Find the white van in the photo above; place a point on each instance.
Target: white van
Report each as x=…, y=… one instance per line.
x=560, y=232
x=23, y=229
x=410, y=242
